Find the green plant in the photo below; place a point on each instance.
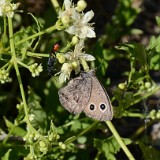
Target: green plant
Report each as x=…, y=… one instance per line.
x=38, y=127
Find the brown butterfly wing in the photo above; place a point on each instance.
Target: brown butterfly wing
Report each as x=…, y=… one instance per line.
x=75, y=96
x=99, y=106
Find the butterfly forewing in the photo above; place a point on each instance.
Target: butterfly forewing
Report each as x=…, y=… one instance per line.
x=75, y=95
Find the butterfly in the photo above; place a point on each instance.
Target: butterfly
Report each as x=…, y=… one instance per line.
x=86, y=94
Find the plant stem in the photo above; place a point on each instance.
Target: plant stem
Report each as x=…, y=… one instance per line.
x=142, y=129
x=14, y=60
x=130, y=114
x=8, y=135
x=37, y=55
x=81, y=133
x=4, y=36
x=56, y=5
x=132, y=70
x=119, y=140
x=144, y=96
x=37, y=34
x=22, y=64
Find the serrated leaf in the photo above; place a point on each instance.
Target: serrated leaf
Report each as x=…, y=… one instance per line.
x=76, y=125
x=109, y=147
x=124, y=100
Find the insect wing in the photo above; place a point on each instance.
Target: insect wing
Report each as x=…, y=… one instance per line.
x=75, y=95
x=99, y=106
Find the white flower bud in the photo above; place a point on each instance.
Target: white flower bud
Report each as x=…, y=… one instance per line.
x=147, y=85
x=61, y=58
x=35, y=69
x=65, y=20
x=42, y=144
x=31, y=117
x=81, y=5
x=75, y=40
x=74, y=64
x=66, y=67
x=62, y=145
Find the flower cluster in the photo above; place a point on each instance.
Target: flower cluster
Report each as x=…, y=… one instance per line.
x=76, y=21
x=73, y=60
x=35, y=69
x=7, y=8
x=4, y=76
x=42, y=143
x=77, y=24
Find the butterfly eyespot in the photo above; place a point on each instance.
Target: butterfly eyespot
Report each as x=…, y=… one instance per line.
x=92, y=107
x=102, y=106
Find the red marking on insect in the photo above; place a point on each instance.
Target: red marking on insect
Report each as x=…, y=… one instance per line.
x=56, y=46
x=52, y=60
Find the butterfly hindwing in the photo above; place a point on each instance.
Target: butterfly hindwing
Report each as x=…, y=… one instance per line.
x=99, y=106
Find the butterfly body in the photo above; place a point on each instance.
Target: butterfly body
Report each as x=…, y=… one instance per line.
x=86, y=94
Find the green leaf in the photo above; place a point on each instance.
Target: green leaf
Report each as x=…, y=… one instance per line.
x=125, y=13
x=103, y=56
x=109, y=147
x=154, y=43
x=16, y=130
x=153, y=53
x=124, y=99
x=136, y=51
x=13, y=151
x=76, y=125
x=158, y=20
x=149, y=153
x=140, y=54
x=155, y=61
x=135, y=31
x=6, y=156
x=40, y=117
x=22, y=34
x=82, y=139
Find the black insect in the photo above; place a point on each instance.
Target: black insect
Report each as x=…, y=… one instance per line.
x=52, y=60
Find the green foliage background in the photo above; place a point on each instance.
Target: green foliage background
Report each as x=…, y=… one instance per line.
x=124, y=68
